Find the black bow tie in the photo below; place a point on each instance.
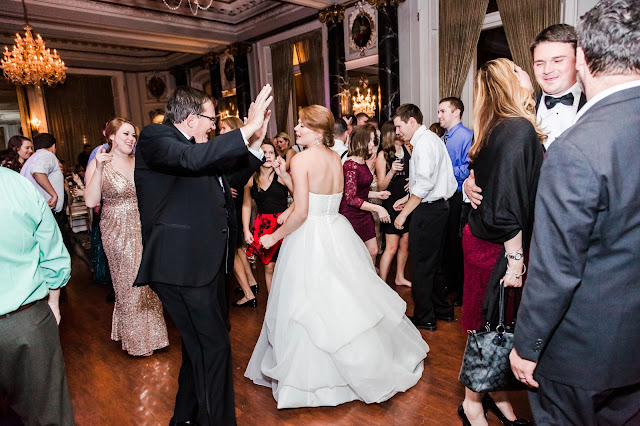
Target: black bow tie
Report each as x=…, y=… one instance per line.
x=550, y=101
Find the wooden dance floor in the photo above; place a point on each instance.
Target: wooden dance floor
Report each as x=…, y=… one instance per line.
x=109, y=387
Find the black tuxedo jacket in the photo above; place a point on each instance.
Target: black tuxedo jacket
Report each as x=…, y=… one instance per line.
x=188, y=221
x=580, y=312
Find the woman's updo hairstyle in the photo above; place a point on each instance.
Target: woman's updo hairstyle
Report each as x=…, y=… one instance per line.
x=112, y=127
x=319, y=119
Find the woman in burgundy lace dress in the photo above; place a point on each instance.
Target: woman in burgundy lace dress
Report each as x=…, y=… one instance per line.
x=357, y=179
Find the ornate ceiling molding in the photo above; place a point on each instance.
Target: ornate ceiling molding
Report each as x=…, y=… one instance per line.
x=133, y=38
x=332, y=14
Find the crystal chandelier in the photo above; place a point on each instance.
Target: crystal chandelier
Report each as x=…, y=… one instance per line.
x=194, y=5
x=366, y=104
x=29, y=62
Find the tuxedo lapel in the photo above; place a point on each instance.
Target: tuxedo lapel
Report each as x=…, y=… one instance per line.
x=583, y=100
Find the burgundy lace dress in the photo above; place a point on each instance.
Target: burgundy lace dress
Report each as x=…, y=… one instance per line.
x=357, y=180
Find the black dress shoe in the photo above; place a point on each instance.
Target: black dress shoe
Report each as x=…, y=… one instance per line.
x=182, y=423
x=489, y=404
x=457, y=302
x=254, y=289
x=253, y=303
x=430, y=326
x=447, y=318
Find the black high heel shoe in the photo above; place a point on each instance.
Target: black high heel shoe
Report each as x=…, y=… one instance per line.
x=490, y=405
x=253, y=303
x=254, y=289
x=463, y=416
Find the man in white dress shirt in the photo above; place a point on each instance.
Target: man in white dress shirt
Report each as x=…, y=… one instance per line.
x=341, y=138
x=43, y=170
x=431, y=184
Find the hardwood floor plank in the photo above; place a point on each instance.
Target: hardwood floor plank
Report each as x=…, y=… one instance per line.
x=109, y=387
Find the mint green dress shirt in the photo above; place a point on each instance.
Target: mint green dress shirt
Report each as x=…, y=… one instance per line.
x=33, y=258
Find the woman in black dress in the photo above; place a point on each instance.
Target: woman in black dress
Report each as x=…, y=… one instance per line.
x=392, y=171
x=506, y=156
x=269, y=188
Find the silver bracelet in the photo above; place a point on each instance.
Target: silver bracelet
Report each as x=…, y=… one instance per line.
x=510, y=272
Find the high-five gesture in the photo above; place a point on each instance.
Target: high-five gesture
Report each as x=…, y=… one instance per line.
x=256, y=140
x=257, y=112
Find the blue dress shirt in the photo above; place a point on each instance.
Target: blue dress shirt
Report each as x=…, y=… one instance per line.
x=458, y=141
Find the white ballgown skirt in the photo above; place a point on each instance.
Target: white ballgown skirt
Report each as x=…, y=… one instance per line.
x=333, y=331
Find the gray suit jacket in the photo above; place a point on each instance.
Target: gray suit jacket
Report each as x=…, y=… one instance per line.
x=580, y=312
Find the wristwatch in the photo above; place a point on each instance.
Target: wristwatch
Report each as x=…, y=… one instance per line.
x=514, y=256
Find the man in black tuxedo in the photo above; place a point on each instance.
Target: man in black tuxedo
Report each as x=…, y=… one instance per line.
x=188, y=237
x=554, y=65
x=578, y=331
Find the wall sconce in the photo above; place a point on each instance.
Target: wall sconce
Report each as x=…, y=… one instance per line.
x=35, y=124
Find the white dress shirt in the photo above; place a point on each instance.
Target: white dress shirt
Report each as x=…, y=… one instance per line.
x=559, y=118
x=340, y=147
x=430, y=170
x=45, y=162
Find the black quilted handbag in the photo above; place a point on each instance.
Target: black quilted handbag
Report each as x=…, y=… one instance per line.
x=485, y=365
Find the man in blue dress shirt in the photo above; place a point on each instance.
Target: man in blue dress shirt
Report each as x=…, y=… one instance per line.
x=457, y=139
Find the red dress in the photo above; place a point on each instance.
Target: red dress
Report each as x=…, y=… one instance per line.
x=271, y=202
x=357, y=180
x=480, y=257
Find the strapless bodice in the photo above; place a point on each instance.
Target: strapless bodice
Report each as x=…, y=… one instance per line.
x=324, y=205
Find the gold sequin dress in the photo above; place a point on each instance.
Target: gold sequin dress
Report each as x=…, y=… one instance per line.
x=138, y=320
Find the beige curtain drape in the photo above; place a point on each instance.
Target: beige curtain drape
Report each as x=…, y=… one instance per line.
x=76, y=112
x=309, y=50
x=523, y=20
x=309, y=53
x=282, y=69
x=460, y=23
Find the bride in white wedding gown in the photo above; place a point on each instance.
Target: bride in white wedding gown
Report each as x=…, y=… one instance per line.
x=333, y=331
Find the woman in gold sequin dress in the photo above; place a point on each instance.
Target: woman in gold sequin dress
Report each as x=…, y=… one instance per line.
x=138, y=320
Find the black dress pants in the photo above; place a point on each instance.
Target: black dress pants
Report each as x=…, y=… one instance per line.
x=205, y=383
x=426, y=234
x=559, y=404
x=452, y=257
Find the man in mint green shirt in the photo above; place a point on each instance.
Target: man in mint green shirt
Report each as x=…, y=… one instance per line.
x=34, y=264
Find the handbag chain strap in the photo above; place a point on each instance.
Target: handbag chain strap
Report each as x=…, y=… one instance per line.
x=500, y=328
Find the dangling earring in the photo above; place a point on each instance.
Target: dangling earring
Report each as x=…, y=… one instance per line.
x=318, y=139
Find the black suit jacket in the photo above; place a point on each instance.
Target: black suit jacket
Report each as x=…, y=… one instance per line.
x=580, y=312
x=188, y=221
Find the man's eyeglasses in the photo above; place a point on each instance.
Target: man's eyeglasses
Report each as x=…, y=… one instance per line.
x=213, y=119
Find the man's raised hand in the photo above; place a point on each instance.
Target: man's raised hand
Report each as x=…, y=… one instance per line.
x=257, y=112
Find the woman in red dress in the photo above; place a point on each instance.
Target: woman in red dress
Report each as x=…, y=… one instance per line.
x=269, y=188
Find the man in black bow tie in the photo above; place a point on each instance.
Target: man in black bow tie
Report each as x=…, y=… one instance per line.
x=554, y=66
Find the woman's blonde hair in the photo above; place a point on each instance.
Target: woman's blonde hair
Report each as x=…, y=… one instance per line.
x=112, y=127
x=319, y=119
x=232, y=122
x=499, y=95
x=285, y=136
